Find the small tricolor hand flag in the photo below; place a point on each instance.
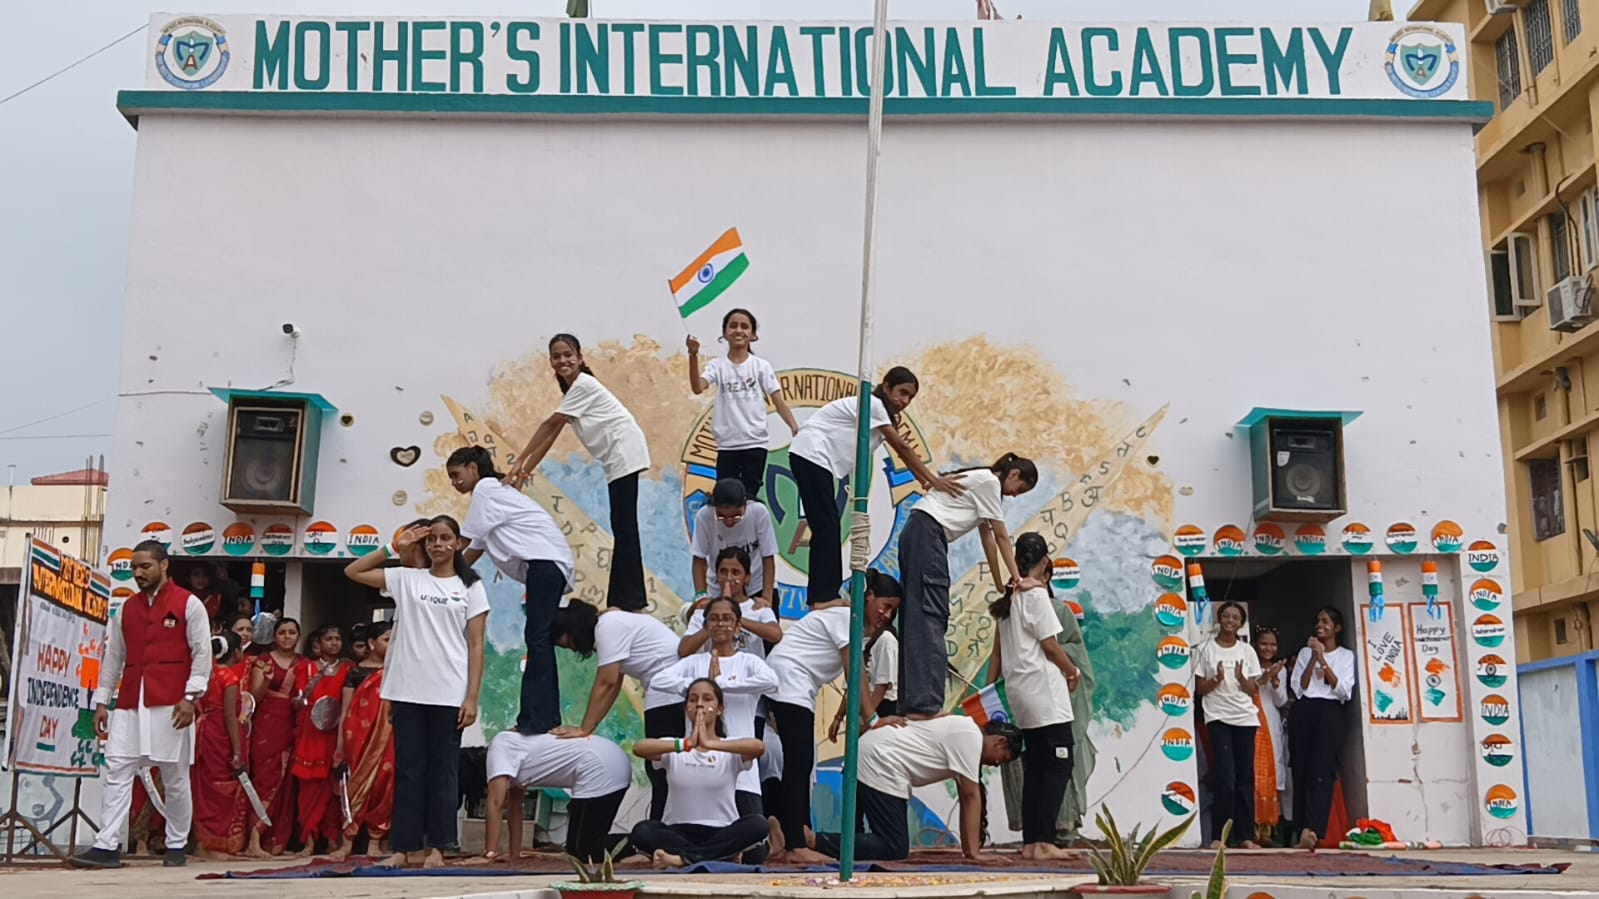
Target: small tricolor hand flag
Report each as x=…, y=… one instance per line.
x=990, y=704
x=709, y=276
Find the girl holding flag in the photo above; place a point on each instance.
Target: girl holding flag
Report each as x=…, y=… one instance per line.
x=612, y=436
x=743, y=383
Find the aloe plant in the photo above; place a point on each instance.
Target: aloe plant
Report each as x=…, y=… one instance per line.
x=1216, y=888
x=1130, y=853
x=604, y=872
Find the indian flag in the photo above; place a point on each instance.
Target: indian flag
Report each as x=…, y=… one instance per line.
x=990, y=704
x=709, y=276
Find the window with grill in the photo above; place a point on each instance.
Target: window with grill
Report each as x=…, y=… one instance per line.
x=1548, y=507
x=1540, y=37
x=1560, y=246
x=1573, y=19
x=1507, y=57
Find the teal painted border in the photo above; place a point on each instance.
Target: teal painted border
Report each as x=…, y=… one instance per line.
x=133, y=104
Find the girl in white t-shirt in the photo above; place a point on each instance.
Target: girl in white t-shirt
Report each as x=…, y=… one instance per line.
x=528, y=547
x=936, y=521
x=1226, y=680
x=702, y=820
x=880, y=698
x=743, y=382
x=757, y=624
x=431, y=680
x=823, y=453
x=1039, y=679
x=612, y=436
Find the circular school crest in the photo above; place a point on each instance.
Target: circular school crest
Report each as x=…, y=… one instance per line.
x=192, y=53
x=806, y=389
x=1422, y=61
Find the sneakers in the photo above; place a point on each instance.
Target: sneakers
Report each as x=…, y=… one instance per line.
x=96, y=858
x=175, y=858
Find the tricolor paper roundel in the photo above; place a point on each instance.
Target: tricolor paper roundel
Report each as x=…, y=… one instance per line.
x=1357, y=538
x=1482, y=556
x=1177, y=744
x=1065, y=575
x=159, y=531
x=363, y=538
x=1488, y=631
x=1497, y=750
x=1229, y=540
x=1172, y=652
x=1178, y=799
x=121, y=562
x=1174, y=700
x=320, y=538
x=1171, y=610
x=1500, y=801
x=1495, y=709
x=1270, y=539
x=1492, y=671
x=1447, y=537
x=1401, y=538
x=1168, y=572
x=1310, y=539
x=1189, y=540
x=238, y=539
x=198, y=538
x=1486, y=595
x=277, y=539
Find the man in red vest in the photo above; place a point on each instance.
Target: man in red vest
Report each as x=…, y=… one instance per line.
x=157, y=664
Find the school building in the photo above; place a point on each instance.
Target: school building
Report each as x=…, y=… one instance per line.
x=1208, y=276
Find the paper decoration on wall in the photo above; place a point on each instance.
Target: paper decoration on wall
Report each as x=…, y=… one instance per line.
x=198, y=538
x=1177, y=744
x=1357, y=538
x=1501, y=802
x=1429, y=585
x=1065, y=575
x=1494, y=709
x=238, y=539
x=1486, y=595
x=1432, y=648
x=1172, y=652
x=320, y=537
x=1171, y=610
x=362, y=539
x=277, y=540
x=1374, y=590
x=1269, y=539
x=1189, y=540
x=426, y=418
x=1492, y=671
x=1196, y=589
x=159, y=531
x=1310, y=539
x=1178, y=799
x=1488, y=631
x=1174, y=700
x=1387, y=662
x=1168, y=572
x=1447, y=537
x=1401, y=538
x=258, y=582
x=1497, y=750
x=1482, y=556
x=1229, y=540
x=405, y=456
x=121, y=562
x=1075, y=607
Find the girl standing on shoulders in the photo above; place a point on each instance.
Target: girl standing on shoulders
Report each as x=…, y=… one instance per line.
x=936, y=521
x=702, y=820
x=431, y=681
x=528, y=547
x=366, y=744
x=1226, y=678
x=316, y=742
x=612, y=436
x=743, y=383
x=1271, y=774
x=1323, y=680
x=275, y=680
x=221, y=810
x=823, y=453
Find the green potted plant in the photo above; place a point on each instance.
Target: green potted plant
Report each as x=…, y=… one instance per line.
x=1216, y=887
x=1121, y=866
x=599, y=881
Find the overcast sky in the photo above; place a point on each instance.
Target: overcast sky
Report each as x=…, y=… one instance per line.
x=66, y=172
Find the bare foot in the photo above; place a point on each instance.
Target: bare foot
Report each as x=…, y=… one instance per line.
x=807, y=857
x=435, y=859
x=341, y=852
x=810, y=837
x=662, y=860
x=1308, y=839
x=396, y=860
x=1045, y=852
x=1214, y=844
x=1027, y=851
x=774, y=837
x=305, y=851
x=1249, y=844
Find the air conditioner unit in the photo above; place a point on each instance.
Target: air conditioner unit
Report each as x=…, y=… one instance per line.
x=1500, y=8
x=1570, y=304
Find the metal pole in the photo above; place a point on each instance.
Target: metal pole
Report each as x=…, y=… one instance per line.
x=863, y=463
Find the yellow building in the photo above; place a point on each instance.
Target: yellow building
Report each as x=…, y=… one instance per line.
x=1540, y=223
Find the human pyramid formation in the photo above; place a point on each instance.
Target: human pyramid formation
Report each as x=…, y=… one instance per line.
x=729, y=707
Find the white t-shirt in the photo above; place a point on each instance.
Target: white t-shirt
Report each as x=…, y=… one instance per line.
x=587, y=767
x=739, y=417
x=827, y=438
x=514, y=530
x=893, y=760
x=754, y=534
x=1228, y=703
x=642, y=644
x=744, y=679
x=808, y=657
x=883, y=665
x=1037, y=689
x=427, y=652
x=959, y=514
x=746, y=641
x=703, y=786
x=605, y=427
x=1342, y=663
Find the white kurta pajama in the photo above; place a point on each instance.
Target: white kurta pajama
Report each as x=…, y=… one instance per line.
x=144, y=737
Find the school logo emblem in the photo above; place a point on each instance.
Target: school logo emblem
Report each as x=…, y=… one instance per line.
x=1501, y=801
x=1486, y=595
x=1170, y=610
x=1310, y=539
x=1189, y=540
x=1177, y=744
x=1357, y=538
x=1402, y=538
x=192, y=53
x=891, y=498
x=1178, y=799
x=320, y=537
x=277, y=539
x=1172, y=652
x=1488, y=631
x=198, y=538
x=1496, y=750
x=1482, y=556
x=1229, y=540
x=362, y=539
x=1065, y=575
x=1492, y=671
x=238, y=539
x=1495, y=709
x=1269, y=539
x=1174, y=700
x=1422, y=62
x=121, y=562
x=1167, y=572
x=1447, y=537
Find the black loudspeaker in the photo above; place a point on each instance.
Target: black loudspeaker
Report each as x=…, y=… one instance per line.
x=267, y=467
x=1299, y=469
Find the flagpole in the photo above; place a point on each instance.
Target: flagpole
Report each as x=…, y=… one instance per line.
x=862, y=481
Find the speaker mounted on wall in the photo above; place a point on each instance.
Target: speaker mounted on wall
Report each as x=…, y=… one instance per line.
x=271, y=452
x=1297, y=462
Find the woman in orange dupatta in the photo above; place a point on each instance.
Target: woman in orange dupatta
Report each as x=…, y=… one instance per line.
x=276, y=678
x=1271, y=768
x=221, y=810
x=367, y=745
x=321, y=813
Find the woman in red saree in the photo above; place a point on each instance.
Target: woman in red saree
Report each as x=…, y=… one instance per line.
x=320, y=812
x=276, y=678
x=366, y=745
x=221, y=810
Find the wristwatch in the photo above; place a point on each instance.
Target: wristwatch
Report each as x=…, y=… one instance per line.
x=192, y=697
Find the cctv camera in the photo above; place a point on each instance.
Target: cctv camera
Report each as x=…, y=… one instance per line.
x=290, y=329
